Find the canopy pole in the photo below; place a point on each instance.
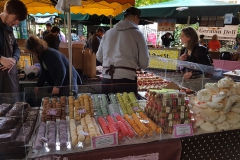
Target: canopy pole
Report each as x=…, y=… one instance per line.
x=110, y=21
x=70, y=49
x=65, y=28
x=188, y=20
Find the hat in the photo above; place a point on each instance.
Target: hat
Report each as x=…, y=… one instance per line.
x=132, y=11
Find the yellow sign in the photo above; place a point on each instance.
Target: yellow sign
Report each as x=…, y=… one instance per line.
x=164, y=53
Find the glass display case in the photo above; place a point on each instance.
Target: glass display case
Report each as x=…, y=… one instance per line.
x=202, y=74
x=118, y=113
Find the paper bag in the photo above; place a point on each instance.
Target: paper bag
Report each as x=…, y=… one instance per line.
x=77, y=56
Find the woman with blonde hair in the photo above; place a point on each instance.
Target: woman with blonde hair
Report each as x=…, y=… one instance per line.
x=54, y=67
x=214, y=44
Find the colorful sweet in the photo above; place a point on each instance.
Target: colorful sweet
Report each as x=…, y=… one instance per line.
x=134, y=125
x=63, y=135
x=121, y=102
x=51, y=134
x=40, y=138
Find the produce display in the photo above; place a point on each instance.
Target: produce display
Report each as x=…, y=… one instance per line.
x=148, y=81
x=13, y=116
x=128, y=103
x=217, y=107
x=167, y=108
x=53, y=108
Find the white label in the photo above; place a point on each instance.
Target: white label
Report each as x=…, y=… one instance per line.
x=170, y=116
x=168, y=109
x=144, y=121
x=52, y=112
x=104, y=140
x=182, y=115
x=81, y=111
x=83, y=133
x=182, y=108
x=182, y=130
x=170, y=123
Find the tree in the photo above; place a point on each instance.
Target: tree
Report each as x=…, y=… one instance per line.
x=139, y=3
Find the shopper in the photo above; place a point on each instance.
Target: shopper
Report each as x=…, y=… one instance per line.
x=94, y=42
x=52, y=38
x=54, y=67
x=14, y=11
x=48, y=30
x=167, y=38
x=214, y=44
x=122, y=50
x=202, y=41
x=193, y=52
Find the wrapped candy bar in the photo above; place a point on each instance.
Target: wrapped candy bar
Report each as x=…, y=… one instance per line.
x=18, y=109
x=4, y=108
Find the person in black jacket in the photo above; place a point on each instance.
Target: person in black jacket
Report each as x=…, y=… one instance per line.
x=54, y=67
x=167, y=38
x=192, y=51
x=94, y=42
x=14, y=11
x=52, y=38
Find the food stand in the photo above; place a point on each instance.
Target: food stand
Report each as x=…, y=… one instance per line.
x=218, y=144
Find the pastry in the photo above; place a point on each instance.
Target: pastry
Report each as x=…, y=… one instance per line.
x=221, y=119
x=209, y=115
x=215, y=106
x=213, y=87
x=204, y=95
x=208, y=127
x=223, y=126
x=233, y=118
x=218, y=97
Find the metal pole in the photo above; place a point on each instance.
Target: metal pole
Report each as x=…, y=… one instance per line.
x=188, y=20
x=65, y=28
x=70, y=48
x=110, y=21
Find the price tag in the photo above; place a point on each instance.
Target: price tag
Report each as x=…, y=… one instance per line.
x=81, y=111
x=168, y=109
x=170, y=116
x=183, y=130
x=144, y=121
x=105, y=140
x=52, y=112
x=115, y=114
x=83, y=133
x=182, y=108
x=135, y=108
x=182, y=115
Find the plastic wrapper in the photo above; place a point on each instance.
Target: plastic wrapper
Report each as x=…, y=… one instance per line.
x=7, y=123
x=18, y=109
x=4, y=108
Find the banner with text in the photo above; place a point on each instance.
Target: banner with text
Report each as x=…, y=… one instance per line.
x=227, y=32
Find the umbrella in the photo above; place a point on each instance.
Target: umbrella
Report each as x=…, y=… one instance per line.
x=184, y=8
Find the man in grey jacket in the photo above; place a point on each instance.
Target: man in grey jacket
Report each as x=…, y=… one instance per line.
x=122, y=50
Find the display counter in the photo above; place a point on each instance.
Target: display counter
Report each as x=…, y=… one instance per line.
x=152, y=145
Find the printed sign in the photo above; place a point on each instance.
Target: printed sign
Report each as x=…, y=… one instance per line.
x=164, y=53
x=229, y=31
x=106, y=140
x=183, y=130
x=152, y=38
x=166, y=24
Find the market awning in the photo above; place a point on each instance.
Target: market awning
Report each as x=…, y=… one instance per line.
x=99, y=7
x=181, y=9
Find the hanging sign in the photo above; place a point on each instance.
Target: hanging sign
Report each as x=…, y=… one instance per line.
x=229, y=31
x=152, y=38
x=166, y=24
